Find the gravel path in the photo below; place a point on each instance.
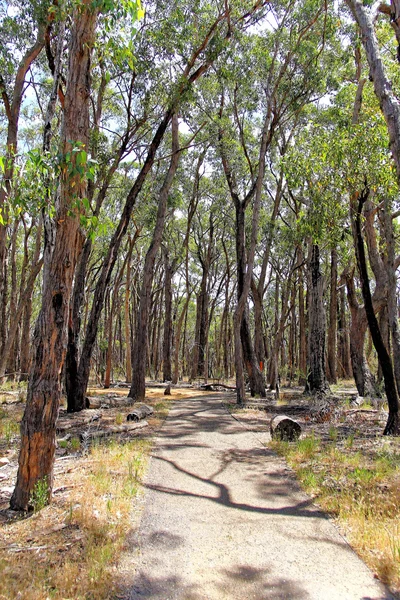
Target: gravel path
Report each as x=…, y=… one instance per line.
x=225, y=519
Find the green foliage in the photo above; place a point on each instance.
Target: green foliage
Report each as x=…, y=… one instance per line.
x=40, y=495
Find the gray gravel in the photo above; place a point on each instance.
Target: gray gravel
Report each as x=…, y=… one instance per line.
x=225, y=519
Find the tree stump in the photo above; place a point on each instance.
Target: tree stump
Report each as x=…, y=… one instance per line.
x=285, y=429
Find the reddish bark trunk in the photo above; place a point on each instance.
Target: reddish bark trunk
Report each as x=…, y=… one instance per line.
x=38, y=430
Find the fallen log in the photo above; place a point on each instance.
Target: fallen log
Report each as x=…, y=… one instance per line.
x=216, y=387
x=284, y=428
x=77, y=420
x=106, y=402
x=140, y=412
x=88, y=436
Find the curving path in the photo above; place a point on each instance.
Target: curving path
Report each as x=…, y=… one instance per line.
x=225, y=519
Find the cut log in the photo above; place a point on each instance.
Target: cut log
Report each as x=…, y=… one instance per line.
x=106, y=402
x=285, y=429
x=102, y=433
x=216, y=387
x=140, y=413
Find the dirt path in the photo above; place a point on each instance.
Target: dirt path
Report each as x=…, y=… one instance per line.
x=225, y=519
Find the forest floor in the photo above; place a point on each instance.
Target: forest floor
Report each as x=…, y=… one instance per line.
x=75, y=547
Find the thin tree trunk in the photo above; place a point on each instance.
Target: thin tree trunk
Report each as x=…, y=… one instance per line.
x=178, y=333
x=139, y=348
x=128, y=361
x=114, y=301
x=302, y=324
x=332, y=330
x=392, y=295
x=344, y=338
x=12, y=110
x=393, y=422
x=316, y=381
x=167, y=337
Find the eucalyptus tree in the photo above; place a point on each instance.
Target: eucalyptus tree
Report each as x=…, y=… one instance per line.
x=187, y=62
x=38, y=425
x=283, y=66
x=24, y=30
x=314, y=189
x=367, y=20
x=139, y=345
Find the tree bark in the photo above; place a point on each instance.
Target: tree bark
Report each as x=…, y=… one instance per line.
x=128, y=361
x=392, y=295
x=393, y=422
x=140, y=345
x=390, y=105
x=167, y=337
x=316, y=380
x=302, y=323
x=344, y=361
x=333, y=310
x=38, y=430
x=110, y=323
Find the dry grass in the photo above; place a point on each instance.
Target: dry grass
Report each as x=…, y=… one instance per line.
x=71, y=550
x=361, y=489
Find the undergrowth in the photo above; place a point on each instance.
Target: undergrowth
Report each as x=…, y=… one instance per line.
x=362, y=492
x=70, y=549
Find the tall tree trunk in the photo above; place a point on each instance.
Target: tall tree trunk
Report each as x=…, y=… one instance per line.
x=27, y=293
x=358, y=327
x=390, y=105
x=248, y=356
x=128, y=361
x=292, y=335
x=178, y=333
x=393, y=422
x=110, y=328
x=332, y=330
x=302, y=324
x=167, y=337
x=139, y=348
x=392, y=295
x=12, y=110
x=316, y=380
x=38, y=430
x=344, y=363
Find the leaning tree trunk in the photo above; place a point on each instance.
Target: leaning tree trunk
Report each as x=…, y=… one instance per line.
x=316, y=380
x=393, y=422
x=392, y=295
x=389, y=103
x=38, y=430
